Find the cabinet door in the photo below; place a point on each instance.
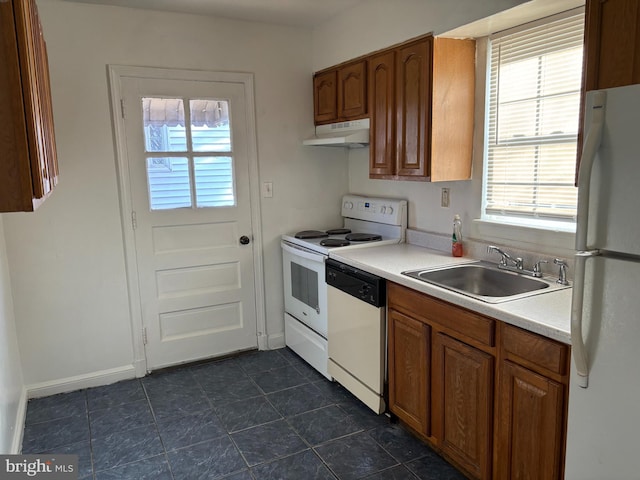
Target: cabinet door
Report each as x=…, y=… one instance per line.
x=413, y=100
x=352, y=91
x=37, y=97
x=325, y=97
x=462, y=407
x=529, y=425
x=381, y=80
x=409, y=342
x=612, y=43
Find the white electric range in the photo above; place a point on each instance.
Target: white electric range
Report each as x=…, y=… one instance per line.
x=367, y=221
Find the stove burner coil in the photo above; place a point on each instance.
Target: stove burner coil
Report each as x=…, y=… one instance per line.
x=363, y=237
x=311, y=234
x=334, y=242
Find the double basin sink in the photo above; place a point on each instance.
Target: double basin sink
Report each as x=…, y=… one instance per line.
x=485, y=281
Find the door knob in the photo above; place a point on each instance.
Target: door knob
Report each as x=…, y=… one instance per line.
x=244, y=240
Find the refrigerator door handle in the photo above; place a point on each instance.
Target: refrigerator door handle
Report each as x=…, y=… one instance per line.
x=589, y=151
x=577, y=340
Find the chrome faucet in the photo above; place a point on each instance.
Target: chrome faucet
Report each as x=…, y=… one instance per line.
x=507, y=262
x=562, y=274
x=506, y=258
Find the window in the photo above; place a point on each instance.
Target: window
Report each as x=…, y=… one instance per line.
x=535, y=74
x=189, y=161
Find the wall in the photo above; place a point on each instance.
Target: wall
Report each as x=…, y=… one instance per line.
x=377, y=24
x=12, y=399
x=67, y=261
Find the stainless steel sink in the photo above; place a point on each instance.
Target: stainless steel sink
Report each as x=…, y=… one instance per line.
x=484, y=281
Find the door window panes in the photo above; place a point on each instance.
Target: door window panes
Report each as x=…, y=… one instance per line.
x=169, y=182
x=201, y=175
x=210, y=126
x=214, y=181
x=160, y=114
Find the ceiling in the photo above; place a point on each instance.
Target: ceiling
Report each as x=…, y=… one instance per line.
x=301, y=13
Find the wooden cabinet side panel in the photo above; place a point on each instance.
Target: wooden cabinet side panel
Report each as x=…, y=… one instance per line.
x=529, y=425
x=48, y=129
x=15, y=172
x=612, y=43
x=453, y=104
x=29, y=39
x=325, y=97
x=38, y=108
x=413, y=113
x=352, y=91
x=409, y=348
x=462, y=407
x=381, y=91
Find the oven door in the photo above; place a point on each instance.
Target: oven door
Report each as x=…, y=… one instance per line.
x=305, y=290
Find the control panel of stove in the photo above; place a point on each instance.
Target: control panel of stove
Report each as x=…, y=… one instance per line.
x=385, y=210
x=372, y=207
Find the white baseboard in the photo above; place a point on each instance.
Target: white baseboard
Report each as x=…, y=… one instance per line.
x=69, y=384
x=276, y=341
x=18, y=431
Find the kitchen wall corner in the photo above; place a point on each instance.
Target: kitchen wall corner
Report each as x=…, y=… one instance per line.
x=13, y=396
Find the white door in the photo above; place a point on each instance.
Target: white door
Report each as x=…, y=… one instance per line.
x=187, y=151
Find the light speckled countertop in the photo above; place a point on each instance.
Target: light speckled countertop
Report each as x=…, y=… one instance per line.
x=547, y=314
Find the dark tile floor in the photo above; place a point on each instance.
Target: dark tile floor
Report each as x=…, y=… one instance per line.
x=262, y=415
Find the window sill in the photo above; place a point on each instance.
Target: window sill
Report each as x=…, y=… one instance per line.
x=554, y=242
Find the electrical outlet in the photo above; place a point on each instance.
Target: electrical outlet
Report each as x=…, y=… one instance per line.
x=444, y=198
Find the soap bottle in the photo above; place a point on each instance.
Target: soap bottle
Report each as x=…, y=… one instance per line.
x=456, y=241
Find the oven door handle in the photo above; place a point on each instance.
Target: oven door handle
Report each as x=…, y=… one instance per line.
x=316, y=257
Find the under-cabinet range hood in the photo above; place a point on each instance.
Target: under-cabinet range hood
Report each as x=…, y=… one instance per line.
x=353, y=134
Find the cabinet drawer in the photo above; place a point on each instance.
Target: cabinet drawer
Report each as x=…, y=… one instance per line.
x=542, y=352
x=431, y=310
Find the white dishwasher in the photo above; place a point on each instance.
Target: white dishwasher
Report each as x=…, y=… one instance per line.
x=356, y=332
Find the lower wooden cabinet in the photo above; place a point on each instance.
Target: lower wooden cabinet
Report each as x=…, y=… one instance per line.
x=495, y=409
x=409, y=345
x=462, y=403
x=529, y=425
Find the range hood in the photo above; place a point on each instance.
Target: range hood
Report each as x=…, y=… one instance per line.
x=354, y=134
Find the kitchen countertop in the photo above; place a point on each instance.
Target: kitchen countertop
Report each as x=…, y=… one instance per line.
x=547, y=314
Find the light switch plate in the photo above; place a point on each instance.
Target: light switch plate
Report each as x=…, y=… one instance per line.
x=267, y=189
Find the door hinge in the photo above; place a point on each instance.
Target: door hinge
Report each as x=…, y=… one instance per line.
x=144, y=335
x=122, y=107
x=134, y=220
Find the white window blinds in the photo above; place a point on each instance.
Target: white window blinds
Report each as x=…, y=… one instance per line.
x=534, y=97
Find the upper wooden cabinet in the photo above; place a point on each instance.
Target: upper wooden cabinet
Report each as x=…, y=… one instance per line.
x=612, y=43
x=421, y=103
x=340, y=94
x=325, y=100
x=352, y=91
x=28, y=166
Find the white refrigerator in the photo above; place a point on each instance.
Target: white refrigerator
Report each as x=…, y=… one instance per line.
x=603, y=440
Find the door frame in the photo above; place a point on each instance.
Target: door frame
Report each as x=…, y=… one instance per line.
x=116, y=73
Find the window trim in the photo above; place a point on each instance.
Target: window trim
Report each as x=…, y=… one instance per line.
x=566, y=226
